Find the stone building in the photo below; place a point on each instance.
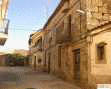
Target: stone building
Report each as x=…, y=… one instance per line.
x=36, y=50
x=76, y=42
x=2, y=59
x=4, y=22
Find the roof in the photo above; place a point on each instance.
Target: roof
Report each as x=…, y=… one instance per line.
x=38, y=33
x=102, y=24
x=55, y=12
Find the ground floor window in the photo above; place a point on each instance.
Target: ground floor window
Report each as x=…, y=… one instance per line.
x=101, y=52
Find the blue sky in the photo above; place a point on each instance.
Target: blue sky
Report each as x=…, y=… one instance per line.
x=26, y=16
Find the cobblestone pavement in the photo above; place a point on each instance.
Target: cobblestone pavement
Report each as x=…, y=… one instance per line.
x=25, y=78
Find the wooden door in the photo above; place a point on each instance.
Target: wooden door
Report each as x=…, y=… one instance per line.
x=49, y=64
x=77, y=64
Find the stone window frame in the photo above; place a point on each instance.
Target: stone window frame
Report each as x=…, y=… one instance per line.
x=101, y=53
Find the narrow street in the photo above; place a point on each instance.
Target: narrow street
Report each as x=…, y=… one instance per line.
x=25, y=78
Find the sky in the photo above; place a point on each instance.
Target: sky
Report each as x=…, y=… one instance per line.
x=26, y=16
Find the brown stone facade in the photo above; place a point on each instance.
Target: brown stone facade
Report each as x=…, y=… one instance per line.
x=36, y=55
x=4, y=22
x=65, y=45
x=76, y=42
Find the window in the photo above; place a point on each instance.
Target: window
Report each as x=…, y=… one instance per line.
x=101, y=52
x=39, y=61
x=59, y=56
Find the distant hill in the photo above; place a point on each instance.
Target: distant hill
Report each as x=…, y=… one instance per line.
x=22, y=52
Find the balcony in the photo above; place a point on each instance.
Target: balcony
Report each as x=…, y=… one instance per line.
x=63, y=34
x=4, y=25
x=36, y=48
x=39, y=47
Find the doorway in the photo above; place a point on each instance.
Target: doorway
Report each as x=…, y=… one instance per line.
x=49, y=57
x=35, y=64
x=77, y=64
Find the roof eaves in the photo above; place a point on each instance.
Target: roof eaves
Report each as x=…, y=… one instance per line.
x=55, y=12
x=101, y=25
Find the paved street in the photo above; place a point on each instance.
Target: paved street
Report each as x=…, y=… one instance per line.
x=23, y=78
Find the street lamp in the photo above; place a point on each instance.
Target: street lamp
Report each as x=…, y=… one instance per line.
x=80, y=12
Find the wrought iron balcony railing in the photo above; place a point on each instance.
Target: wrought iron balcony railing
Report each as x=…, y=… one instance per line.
x=36, y=48
x=63, y=34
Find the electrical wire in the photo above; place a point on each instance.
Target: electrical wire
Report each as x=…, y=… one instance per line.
x=24, y=29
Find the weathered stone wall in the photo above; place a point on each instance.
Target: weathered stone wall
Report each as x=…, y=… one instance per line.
x=100, y=70
x=36, y=56
x=78, y=22
x=98, y=11
x=78, y=27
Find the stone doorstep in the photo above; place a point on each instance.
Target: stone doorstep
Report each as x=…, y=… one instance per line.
x=8, y=83
x=30, y=88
